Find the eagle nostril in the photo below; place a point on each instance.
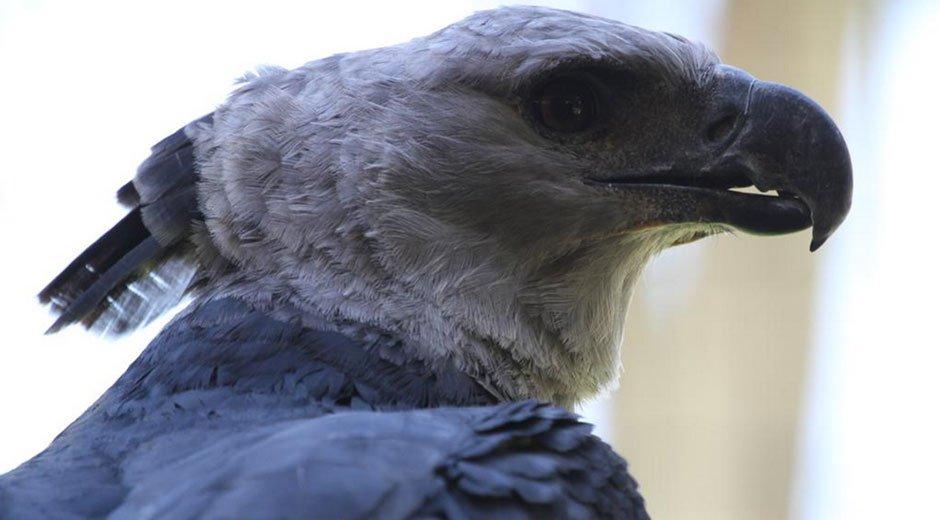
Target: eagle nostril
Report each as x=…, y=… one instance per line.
x=720, y=129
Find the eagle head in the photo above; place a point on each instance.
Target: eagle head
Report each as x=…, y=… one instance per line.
x=488, y=195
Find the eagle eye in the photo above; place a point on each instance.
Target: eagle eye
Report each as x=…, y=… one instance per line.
x=566, y=105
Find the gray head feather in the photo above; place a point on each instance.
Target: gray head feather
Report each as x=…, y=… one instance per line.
x=402, y=190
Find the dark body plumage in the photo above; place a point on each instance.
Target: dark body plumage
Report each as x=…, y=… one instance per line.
x=230, y=413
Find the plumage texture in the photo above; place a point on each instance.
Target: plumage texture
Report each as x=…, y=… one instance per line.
x=230, y=413
x=348, y=187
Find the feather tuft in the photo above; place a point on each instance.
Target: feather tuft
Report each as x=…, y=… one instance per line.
x=145, y=263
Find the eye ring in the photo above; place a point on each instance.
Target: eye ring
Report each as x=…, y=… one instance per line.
x=566, y=105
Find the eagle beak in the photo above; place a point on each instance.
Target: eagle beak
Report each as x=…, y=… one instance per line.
x=753, y=134
x=784, y=141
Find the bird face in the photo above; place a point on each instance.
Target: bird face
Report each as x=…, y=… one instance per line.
x=593, y=129
x=491, y=192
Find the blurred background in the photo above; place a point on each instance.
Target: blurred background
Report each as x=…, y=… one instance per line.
x=760, y=381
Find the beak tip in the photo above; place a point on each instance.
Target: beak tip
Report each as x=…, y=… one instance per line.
x=818, y=240
x=803, y=153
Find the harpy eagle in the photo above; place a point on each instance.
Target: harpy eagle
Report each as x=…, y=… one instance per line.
x=405, y=263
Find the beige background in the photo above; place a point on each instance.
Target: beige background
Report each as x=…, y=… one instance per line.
x=710, y=404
